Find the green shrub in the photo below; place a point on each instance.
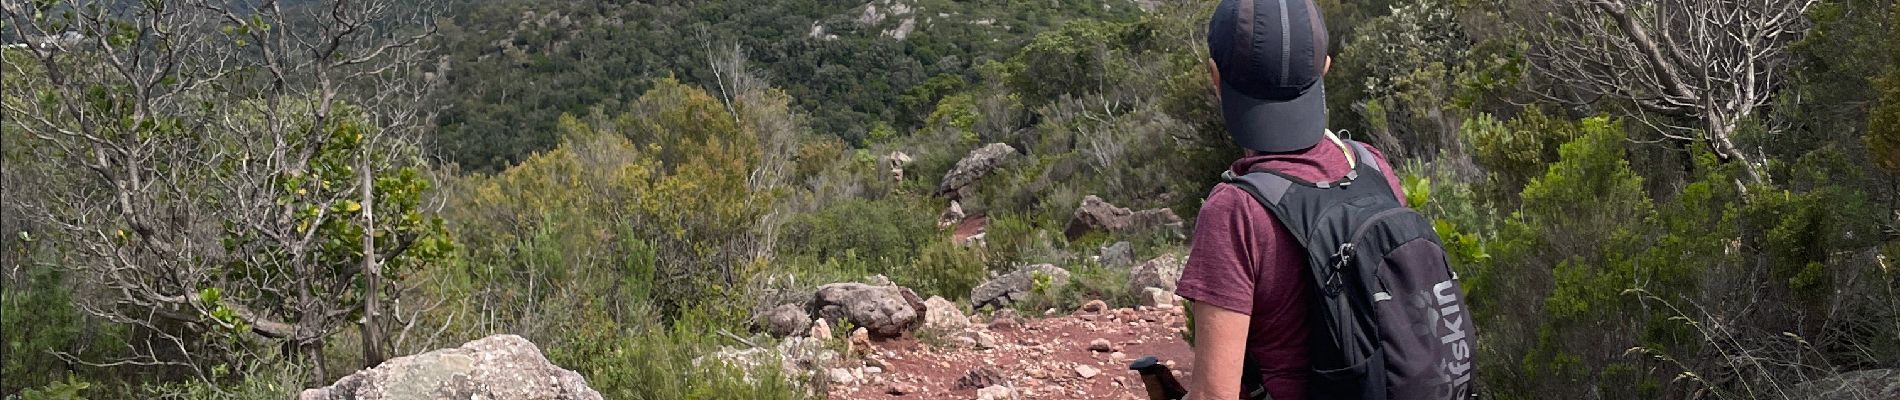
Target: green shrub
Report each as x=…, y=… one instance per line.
x=658, y=362
x=944, y=269
x=1087, y=281
x=885, y=230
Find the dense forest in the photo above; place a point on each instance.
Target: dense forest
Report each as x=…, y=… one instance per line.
x=245, y=198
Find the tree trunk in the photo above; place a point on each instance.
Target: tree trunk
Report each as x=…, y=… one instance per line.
x=372, y=277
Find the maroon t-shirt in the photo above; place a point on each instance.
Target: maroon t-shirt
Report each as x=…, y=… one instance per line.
x=1244, y=260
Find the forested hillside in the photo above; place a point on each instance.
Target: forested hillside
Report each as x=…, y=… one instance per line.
x=244, y=199
x=856, y=69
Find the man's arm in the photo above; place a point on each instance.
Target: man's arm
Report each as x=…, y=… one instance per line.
x=1220, y=346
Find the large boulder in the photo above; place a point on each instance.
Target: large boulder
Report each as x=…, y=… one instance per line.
x=942, y=315
x=1095, y=214
x=885, y=310
x=1015, y=286
x=958, y=182
x=1864, y=384
x=785, y=320
x=500, y=367
x=1161, y=272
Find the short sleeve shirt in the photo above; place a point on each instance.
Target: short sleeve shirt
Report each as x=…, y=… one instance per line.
x=1242, y=259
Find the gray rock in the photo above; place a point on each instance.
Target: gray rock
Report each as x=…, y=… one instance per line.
x=820, y=330
x=1096, y=214
x=785, y=320
x=1157, y=298
x=941, y=315
x=1162, y=272
x=979, y=163
x=500, y=367
x=998, y=392
x=1857, y=385
x=1118, y=255
x=798, y=358
x=952, y=215
x=886, y=311
x=1015, y=286
x=979, y=378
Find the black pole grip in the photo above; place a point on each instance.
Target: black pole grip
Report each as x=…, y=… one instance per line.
x=1159, y=381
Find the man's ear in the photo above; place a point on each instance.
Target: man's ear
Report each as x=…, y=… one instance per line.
x=1213, y=77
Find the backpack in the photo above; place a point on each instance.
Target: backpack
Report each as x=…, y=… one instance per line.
x=1389, y=316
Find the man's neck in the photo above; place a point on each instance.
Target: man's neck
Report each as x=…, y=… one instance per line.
x=1351, y=157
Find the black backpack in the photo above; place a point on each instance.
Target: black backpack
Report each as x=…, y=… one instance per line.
x=1389, y=317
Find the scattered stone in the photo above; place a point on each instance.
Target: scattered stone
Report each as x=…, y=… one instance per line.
x=1118, y=255
x=786, y=320
x=820, y=330
x=1095, y=214
x=840, y=376
x=886, y=310
x=980, y=377
x=873, y=369
x=1003, y=290
x=1093, y=307
x=942, y=315
x=1161, y=272
x=860, y=342
x=1005, y=321
x=965, y=341
x=1101, y=345
x=900, y=389
x=958, y=182
x=1085, y=371
x=998, y=392
x=980, y=340
x=501, y=367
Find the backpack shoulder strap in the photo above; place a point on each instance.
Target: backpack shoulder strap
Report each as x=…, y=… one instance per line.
x=1268, y=188
x=1363, y=156
x=1274, y=192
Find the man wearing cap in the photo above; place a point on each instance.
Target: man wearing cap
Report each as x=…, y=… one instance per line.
x=1246, y=272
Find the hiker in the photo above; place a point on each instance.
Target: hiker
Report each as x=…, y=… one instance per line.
x=1252, y=281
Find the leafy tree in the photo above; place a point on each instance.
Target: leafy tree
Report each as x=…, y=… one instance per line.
x=225, y=175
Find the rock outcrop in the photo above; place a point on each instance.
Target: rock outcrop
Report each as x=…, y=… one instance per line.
x=798, y=357
x=885, y=310
x=1096, y=214
x=500, y=367
x=1865, y=384
x=1161, y=272
x=958, y=182
x=895, y=163
x=1014, y=286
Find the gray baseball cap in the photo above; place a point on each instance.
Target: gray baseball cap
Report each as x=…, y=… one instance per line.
x=1271, y=55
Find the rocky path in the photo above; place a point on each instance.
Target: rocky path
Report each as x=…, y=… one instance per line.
x=1083, y=355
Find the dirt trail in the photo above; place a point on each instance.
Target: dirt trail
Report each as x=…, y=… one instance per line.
x=1047, y=358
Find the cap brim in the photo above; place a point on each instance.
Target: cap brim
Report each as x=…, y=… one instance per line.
x=1275, y=126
